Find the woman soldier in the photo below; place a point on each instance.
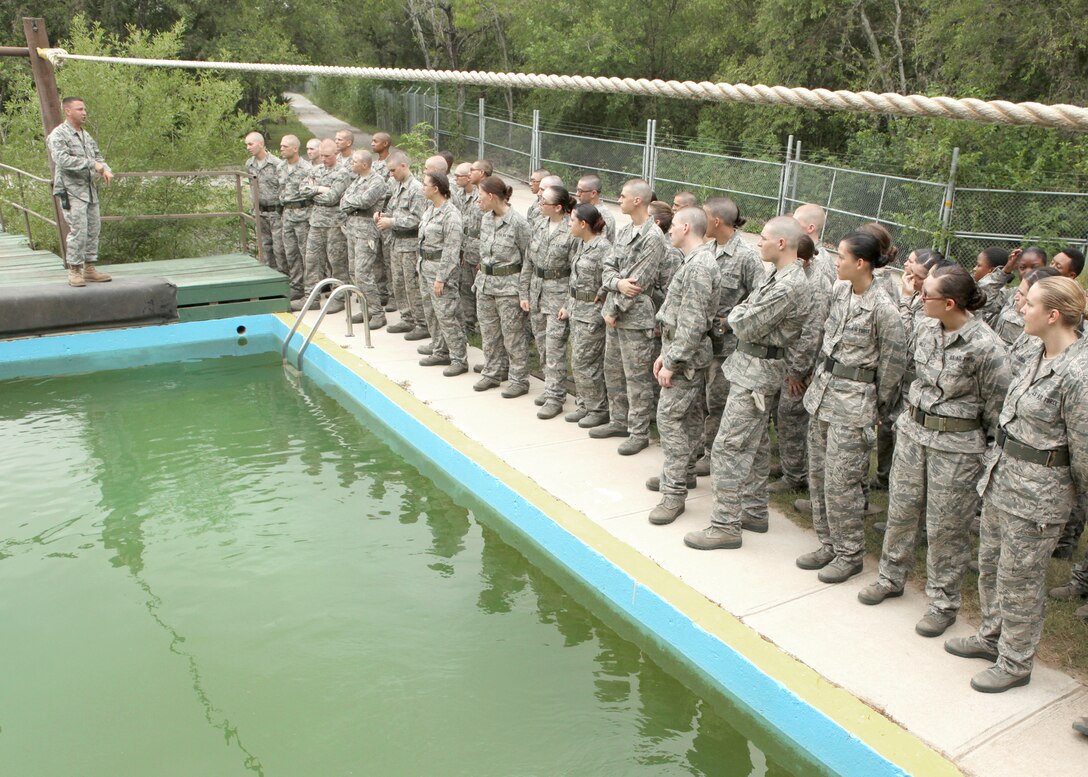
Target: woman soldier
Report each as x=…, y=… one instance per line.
x=856, y=381
x=440, y=237
x=951, y=410
x=583, y=309
x=1041, y=464
x=504, y=242
x=545, y=279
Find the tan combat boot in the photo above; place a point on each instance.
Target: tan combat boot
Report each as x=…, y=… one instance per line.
x=93, y=275
x=75, y=275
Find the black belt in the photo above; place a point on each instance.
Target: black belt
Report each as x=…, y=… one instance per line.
x=296, y=205
x=498, y=272
x=552, y=275
x=369, y=212
x=405, y=232
x=850, y=373
x=761, y=351
x=1054, y=457
x=584, y=296
x=430, y=256
x=943, y=423
x=271, y=208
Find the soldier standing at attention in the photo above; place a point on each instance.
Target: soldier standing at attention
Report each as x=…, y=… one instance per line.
x=680, y=370
x=812, y=218
x=482, y=169
x=589, y=192
x=630, y=273
x=359, y=203
x=536, y=179
x=1030, y=486
x=856, y=381
x=265, y=168
x=401, y=219
x=380, y=149
x=504, y=242
x=583, y=309
x=951, y=410
x=440, y=236
x=345, y=146
x=296, y=211
x=326, y=247
x=742, y=271
x=77, y=160
x=468, y=204
x=545, y=279
x=765, y=325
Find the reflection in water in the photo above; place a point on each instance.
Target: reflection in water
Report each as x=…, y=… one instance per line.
x=243, y=432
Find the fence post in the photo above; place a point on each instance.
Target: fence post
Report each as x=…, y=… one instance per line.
x=830, y=195
x=793, y=179
x=784, y=178
x=534, y=143
x=437, y=108
x=483, y=128
x=949, y=199
x=648, y=153
x=653, y=158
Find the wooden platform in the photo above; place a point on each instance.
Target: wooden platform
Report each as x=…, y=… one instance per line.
x=209, y=287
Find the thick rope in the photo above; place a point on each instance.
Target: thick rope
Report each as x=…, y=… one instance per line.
x=1068, y=117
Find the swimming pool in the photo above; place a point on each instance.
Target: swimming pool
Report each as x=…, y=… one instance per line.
x=659, y=632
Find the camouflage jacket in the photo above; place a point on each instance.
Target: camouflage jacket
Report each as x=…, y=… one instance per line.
x=742, y=271
x=993, y=285
x=1046, y=408
x=802, y=352
x=504, y=242
x=267, y=173
x=292, y=177
x=1010, y=322
x=961, y=374
x=865, y=332
x=669, y=265
x=585, y=279
x=824, y=262
x=74, y=153
x=405, y=208
x=440, y=230
x=687, y=311
x=549, y=249
x=609, y=222
x=533, y=215
x=773, y=315
x=637, y=253
x=471, y=215
x=326, y=208
x=363, y=194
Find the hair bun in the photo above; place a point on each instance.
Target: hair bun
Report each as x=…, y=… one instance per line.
x=740, y=222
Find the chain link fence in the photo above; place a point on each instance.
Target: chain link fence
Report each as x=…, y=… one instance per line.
x=987, y=217
x=754, y=184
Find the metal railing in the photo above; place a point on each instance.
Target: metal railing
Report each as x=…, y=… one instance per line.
x=7, y=173
x=344, y=289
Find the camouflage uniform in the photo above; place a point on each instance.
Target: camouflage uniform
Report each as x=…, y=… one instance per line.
x=823, y=261
x=326, y=249
x=440, y=236
x=383, y=267
x=360, y=201
x=864, y=337
x=545, y=282
x=962, y=377
x=296, y=220
x=267, y=173
x=1025, y=503
x=770, y=319
x=685, y=319
x=405, y=209
x=469, y=205
x=628, y=352
x=994, y=286
x=791, y=419
x=609, y=222
x=1010, y=322
x=742, y=271
x=504, y=243
x=533, y=215
x=586, y=325
x=75, y=154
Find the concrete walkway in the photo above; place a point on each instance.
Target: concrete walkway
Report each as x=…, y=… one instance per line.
x=873, y=652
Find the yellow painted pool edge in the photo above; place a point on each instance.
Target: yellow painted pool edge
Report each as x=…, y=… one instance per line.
x=884, y=736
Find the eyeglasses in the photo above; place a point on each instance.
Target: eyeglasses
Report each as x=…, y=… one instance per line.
x=585, y=191
x=926, y=298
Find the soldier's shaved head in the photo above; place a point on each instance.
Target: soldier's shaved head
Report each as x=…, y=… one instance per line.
x=289, y=140
x=694, y=218
x=785, y=228
x=636, y=187
x=379, y=143
x=255, y=144
x=811, y=217
x=313, y=150
x=549, y=181
x=254, y=136
x=328, y=152
x=435, y=164
x=395, y=159
x=463, y=169
x=724, y=209
x=683, y=200
x=363, y=156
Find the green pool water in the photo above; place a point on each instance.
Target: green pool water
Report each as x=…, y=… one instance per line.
x=209, y=569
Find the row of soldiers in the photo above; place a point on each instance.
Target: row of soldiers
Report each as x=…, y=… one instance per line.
x=675, y=316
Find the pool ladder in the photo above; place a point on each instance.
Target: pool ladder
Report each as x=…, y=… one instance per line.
x=347, y=290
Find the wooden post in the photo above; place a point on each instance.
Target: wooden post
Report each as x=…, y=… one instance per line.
x=49, y=100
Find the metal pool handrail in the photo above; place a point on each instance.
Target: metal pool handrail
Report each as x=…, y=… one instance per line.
x=317, y=289
x=347, y=289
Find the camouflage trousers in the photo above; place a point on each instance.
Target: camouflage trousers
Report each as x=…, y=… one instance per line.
x=739, y=460
x=295, y=234
x=885, y=449
x=551, y=337
x=629, y=379
x=468, y=296
x=1079, y=578
x=1013, y=555
x=406, y=286
x=84, y=224
x=271, y=252
x=680, y=423
x=717, y=393
x=443, y=313
x=326, y=255
x=791, y=425
x=838, y=464
x=364, y=256
x=1074, y=527
x=383, y=271
x=940, y=486
x=587, y=364
x=502, y=325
